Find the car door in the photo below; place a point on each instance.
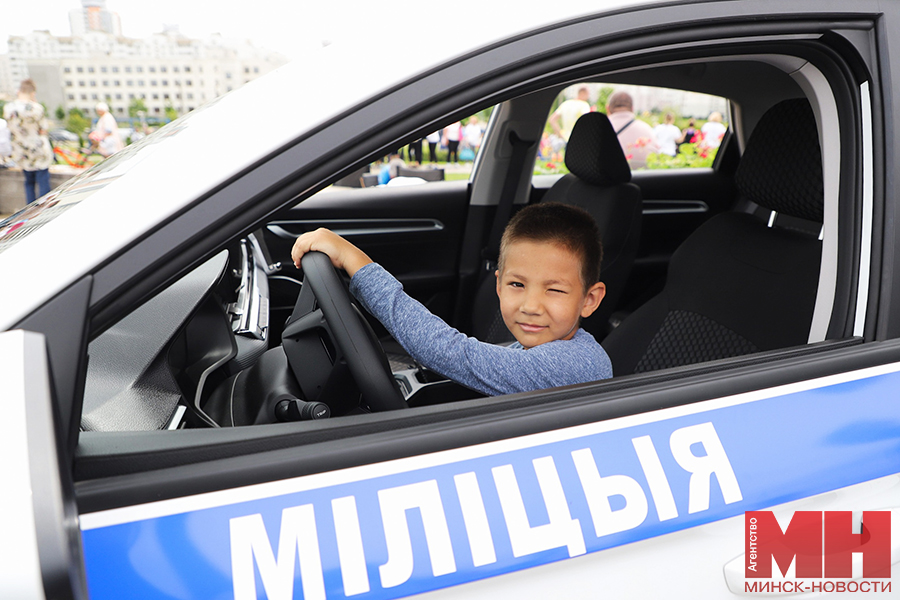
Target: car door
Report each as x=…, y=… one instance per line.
x=567, y=491
x=42, y=546
x=415, y=232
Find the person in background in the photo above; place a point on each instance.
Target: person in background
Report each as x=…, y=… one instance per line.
x=5, y=144
x=563, y=118
x=31, y=149
x=106, y=131
x=713, y=131
x=415, y=152
x=667, y=135
x=391, y=169
x=688, y=136
x=433, y=139
x=452, y=136
x=635, y=136
x=472, y=133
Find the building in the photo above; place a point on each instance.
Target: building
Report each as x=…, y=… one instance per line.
x=93, y=16
x=164, y=70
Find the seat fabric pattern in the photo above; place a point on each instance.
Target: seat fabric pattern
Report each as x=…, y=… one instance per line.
x=736, y=286
x=782, y=167
x=686, y=338
x=600, y=183
x=593, y=153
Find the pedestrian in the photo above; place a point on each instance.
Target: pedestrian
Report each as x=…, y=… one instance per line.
x=713, y=131
x=106, y=131
x=473, y=132
x=31, y=149
x=635, y=136
x=689, y=135
x=5, y=145
x=415, y=152
x=452, y=135
x=564, y=117
x=667, y=135
x=433, y=139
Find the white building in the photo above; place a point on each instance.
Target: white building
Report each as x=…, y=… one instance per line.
x=166, y=69
x=93, y=16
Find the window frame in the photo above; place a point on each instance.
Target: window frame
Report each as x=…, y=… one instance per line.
x=101, y=310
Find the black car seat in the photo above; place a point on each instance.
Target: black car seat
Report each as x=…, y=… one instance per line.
x=741, y=284
x=599, y=181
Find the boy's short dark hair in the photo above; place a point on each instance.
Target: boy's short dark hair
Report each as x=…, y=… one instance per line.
x=571, y=227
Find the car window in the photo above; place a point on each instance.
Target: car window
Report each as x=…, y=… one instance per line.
x=658, y=128
x=446, y=154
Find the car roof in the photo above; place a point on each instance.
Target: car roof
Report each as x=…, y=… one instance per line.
x=206, y=148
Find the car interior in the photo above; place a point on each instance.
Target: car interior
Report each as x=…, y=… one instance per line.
x=702, y=265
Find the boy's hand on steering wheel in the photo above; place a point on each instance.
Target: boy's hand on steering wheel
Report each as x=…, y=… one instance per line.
x=342, y=253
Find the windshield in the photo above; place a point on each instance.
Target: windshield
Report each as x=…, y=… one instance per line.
x=37, y=214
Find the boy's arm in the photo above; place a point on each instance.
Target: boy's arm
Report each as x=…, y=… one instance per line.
x=484, y=367
x=342, y=253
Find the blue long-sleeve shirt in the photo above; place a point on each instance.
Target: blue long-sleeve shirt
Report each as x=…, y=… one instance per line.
x=488, y=368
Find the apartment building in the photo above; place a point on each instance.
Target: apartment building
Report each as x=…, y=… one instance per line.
x=165, y=69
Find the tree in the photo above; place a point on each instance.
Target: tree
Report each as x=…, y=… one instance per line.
x=136, y=107
x=76, y=122
x=603, y=97
x=171, y=113
x=60, y=113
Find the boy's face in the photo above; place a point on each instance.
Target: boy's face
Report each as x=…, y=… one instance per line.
x=541, y=294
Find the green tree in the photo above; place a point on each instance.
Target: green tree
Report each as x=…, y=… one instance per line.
x=76, y=122
x=603, y=97
x=60, y=113
x=136, y=107
x=171, y=113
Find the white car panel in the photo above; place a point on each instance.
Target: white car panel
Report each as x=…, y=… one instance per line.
x=235, y=131
x=545, y=497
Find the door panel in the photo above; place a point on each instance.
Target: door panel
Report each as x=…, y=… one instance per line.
x=41, y=545
x=414, y=232
x=791, y=465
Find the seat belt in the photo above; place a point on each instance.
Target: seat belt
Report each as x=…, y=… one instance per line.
x=520, y=148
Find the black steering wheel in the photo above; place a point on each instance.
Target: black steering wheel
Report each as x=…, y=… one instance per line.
x=319, y=362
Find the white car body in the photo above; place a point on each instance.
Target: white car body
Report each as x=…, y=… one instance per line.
x=624, y=506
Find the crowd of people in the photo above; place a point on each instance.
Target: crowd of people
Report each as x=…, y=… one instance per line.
x=460, y=140
x=638, y=138
x=25, y=142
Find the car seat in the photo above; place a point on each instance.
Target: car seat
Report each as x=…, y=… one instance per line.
x=599, y=181
x=741, y=283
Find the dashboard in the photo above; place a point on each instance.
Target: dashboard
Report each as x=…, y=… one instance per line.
x=205, y=352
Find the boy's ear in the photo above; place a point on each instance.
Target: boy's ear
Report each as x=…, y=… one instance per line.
x=497, y=275
x=593, y=298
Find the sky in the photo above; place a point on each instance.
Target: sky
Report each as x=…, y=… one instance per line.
x=292, y=27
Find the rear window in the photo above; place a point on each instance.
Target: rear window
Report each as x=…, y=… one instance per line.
x=658, y=128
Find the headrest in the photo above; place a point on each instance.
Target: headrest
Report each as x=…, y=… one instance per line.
x=781, y=169
x=594, y=153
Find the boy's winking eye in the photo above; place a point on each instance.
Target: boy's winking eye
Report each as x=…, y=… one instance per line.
x=541, y=292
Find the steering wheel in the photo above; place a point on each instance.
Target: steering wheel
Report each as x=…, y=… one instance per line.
x=324, y=306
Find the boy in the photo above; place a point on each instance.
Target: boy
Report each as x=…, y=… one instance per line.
x=547, y=281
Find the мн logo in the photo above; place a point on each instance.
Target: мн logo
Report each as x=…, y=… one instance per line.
x=822, y=543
